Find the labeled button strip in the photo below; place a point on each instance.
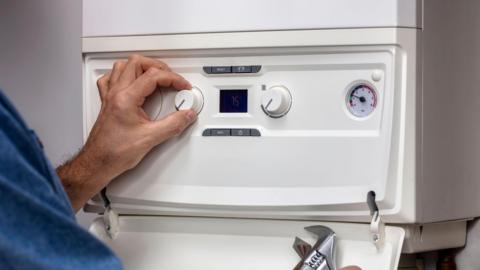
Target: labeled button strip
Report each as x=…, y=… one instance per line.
x=231, y=69
x=240, y=132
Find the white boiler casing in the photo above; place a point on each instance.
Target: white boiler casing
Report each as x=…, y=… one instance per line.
x=368, y=105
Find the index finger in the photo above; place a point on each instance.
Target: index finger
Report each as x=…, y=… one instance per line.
x=136, y=65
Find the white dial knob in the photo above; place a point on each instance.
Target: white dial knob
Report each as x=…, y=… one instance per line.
x=189, y=100
x=276, y=101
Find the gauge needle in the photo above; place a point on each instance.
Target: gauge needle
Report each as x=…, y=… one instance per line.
x=362, y=99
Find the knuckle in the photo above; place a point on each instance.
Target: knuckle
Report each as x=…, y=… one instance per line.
x=163, y=65
x=119, y=101
x=101, y=81
x=118, y=64
x=152, y=71
x=134, y=58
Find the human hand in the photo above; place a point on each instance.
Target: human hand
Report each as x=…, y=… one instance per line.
x=123, y=133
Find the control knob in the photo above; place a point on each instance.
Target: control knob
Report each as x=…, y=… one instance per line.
x=189, y=100
x=276, y=101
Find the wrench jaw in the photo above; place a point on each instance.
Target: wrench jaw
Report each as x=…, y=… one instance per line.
x=303, y=249
x=322, y=255
x=327, y=249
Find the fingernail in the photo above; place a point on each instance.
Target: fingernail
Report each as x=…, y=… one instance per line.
x=191, y=115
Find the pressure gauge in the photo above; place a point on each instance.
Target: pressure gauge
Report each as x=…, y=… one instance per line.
x=361, y=100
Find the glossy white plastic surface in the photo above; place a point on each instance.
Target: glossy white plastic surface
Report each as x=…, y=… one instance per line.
x=146, y=243
x=150, y=17
x=316, y=159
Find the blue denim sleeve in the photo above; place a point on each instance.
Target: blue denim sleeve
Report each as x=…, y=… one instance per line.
x=38, y=229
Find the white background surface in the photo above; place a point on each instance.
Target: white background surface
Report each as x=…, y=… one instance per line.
x=40, y=70
x=187, y=16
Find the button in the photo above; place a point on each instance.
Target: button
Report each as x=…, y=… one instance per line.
x=240, y=132
x=256, y=69
x=241, y=69
x=221, y=69
x=377, y=75
x=231, y=132
x=207, y=70
x=255, y=132
x=220, y=132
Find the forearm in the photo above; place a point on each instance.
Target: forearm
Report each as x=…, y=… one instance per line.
x=83, y=177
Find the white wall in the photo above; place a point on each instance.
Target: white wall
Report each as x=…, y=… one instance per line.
x=40, y=70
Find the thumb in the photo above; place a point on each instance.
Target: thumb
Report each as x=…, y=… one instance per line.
x=172, y=125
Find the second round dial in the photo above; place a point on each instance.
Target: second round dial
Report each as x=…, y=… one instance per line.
x=276, y=101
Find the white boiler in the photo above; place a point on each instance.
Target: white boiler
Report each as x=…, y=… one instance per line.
x=307, y=109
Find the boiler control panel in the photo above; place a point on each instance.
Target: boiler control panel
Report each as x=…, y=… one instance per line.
x=278, y=129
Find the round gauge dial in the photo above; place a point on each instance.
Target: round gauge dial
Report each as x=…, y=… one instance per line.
x=361, y=100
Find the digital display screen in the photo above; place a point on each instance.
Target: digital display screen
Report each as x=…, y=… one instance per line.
x=234, y=101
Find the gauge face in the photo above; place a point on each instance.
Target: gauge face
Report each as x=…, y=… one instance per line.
x=361, y=100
